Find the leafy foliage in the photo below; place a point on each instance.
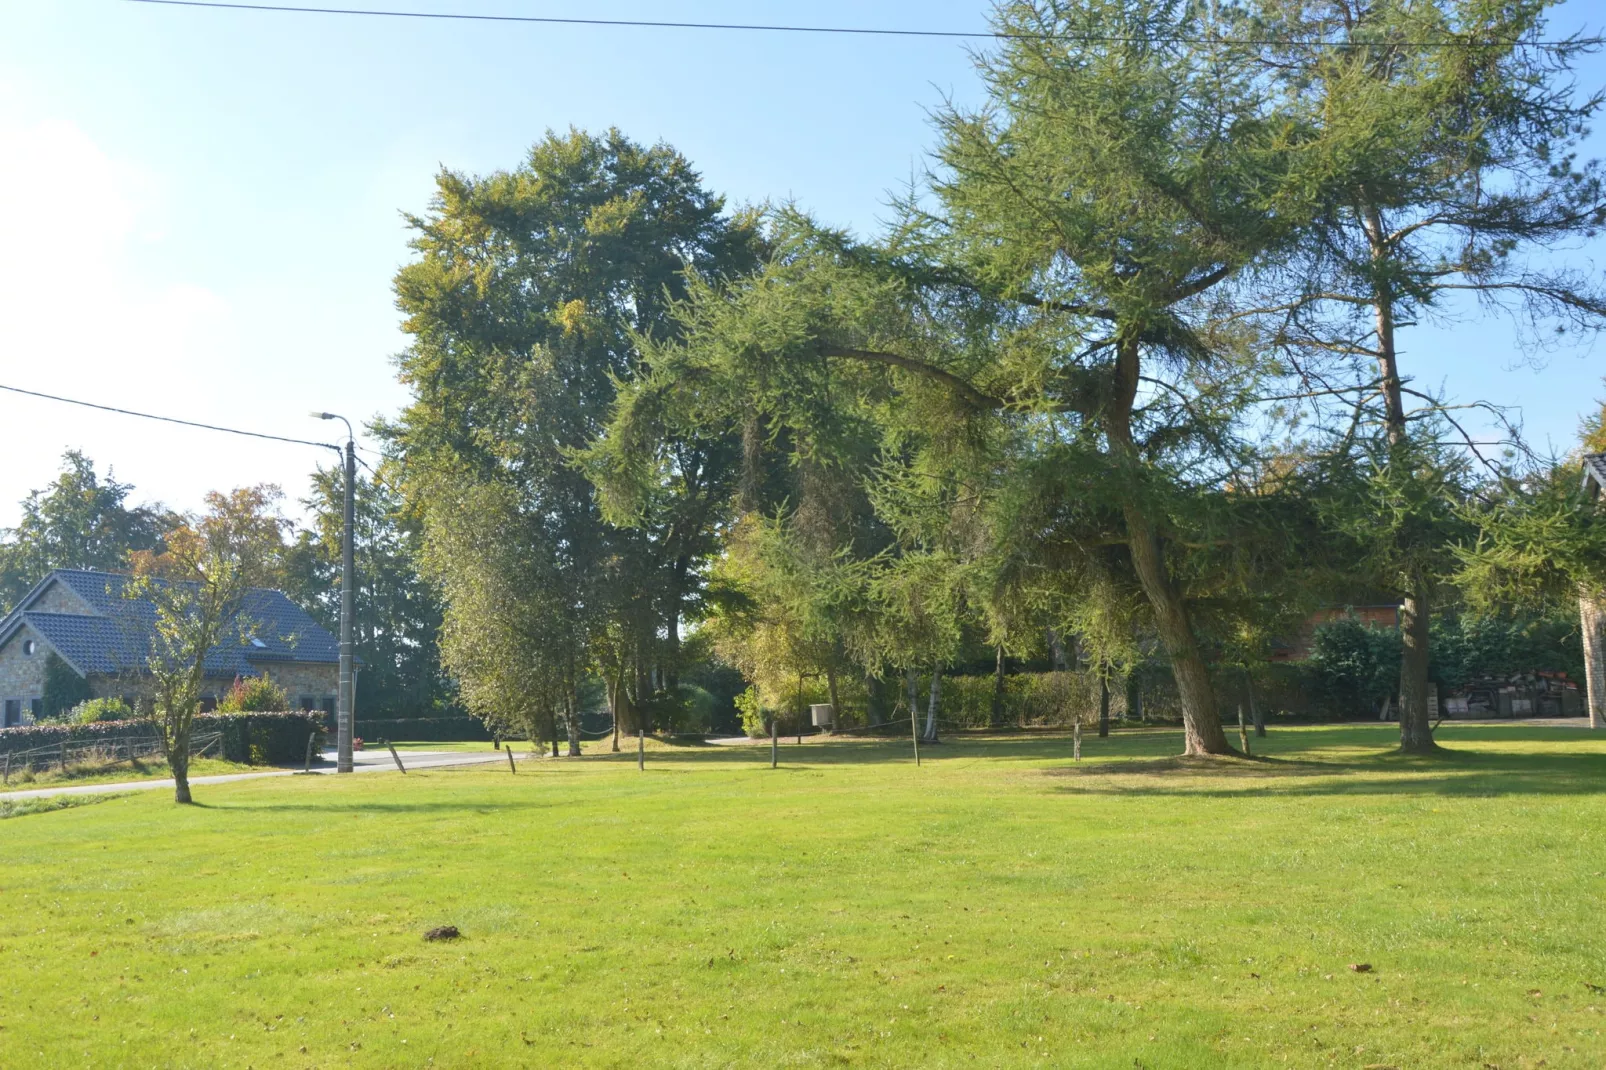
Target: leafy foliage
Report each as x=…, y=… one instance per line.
x=197, y=586
x=533, y=292
x=257, y=694
x=80, y=521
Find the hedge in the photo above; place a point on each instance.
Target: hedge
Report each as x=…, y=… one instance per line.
x=253, y=738
x=422, y=729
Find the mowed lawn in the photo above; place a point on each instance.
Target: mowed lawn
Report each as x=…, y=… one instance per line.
x=999, y=906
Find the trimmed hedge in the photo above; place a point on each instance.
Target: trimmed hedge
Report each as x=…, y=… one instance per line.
x=253, y=738
x=422, y=730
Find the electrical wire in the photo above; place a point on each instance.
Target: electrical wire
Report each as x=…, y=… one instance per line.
x=864, y=31
x=168, y=419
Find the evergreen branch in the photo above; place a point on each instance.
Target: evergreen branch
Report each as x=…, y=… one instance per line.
x=971, y=395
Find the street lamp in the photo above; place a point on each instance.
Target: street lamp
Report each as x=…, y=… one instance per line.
x=345, y=702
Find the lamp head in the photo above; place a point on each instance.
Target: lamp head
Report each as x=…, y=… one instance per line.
x=322, y=415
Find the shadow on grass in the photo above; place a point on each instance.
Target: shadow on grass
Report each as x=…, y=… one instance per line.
x=445, y=806
x=1473, y=774
x=1339, y=759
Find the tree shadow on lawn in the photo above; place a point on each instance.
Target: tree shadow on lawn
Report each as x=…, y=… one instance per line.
x=448, y=806
x=1472, y=774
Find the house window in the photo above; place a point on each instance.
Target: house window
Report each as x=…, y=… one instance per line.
x=36, y=708
x=28, y=647
x=13, y=712
x=208, y=703
x=308, y=702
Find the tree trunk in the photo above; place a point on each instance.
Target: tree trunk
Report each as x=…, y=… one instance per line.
x=1416, y=727
x=1104, y=706
x=1201, y=721
x=995, y=718
x=1592, y=622
x=552, y=728
x=873, y=713
x=911, y=682
x=930, y=734
x=1057, y=661
x=573, y=717
x=615, y=686
x=1255, y=713
x=836, y=706
x=178, y=760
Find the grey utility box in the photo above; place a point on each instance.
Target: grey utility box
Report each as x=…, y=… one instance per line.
x=823, y=713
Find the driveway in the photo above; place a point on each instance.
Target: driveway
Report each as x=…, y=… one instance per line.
x=368, y=761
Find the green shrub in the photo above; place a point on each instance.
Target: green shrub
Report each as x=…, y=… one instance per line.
x=99, y=709
x=257, y=694
x=752, y=714
x=1355, y=666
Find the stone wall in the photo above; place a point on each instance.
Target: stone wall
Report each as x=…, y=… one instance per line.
x=59, y=598
x=22, y=676
x=301, y=680
x=317, y=680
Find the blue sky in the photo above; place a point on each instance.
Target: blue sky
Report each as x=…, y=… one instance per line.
x=203, y=209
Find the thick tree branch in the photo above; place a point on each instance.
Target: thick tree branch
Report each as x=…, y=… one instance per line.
x=971, y=395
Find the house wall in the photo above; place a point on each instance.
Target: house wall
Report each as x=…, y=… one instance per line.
x=22, y=676
x=317, y=680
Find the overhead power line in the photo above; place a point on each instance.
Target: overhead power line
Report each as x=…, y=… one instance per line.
x=863, y=31
x=168, y=419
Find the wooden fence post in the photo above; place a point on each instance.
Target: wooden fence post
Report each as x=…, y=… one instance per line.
x=774, y=743
x=310, y=737
x=641, y=749
x=510, y=766
x=1076, y=741
x=396, y=757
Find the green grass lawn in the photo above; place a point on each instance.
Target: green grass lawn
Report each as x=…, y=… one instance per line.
x=1000, y=906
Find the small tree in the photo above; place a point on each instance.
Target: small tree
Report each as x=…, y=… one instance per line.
x=198, y=587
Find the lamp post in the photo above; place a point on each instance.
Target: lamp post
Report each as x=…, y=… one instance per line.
x=344, y=703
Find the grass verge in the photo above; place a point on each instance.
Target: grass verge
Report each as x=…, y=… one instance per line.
x=24, y=807
x=120, y=772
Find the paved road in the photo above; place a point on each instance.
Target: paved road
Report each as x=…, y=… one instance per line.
x=373, y=761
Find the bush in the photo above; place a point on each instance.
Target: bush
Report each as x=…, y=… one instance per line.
x=99, y=709
x=257, y=694
x=752, y=714
x=1354, y=666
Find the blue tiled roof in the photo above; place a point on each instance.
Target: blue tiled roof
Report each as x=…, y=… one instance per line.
x=117, y=638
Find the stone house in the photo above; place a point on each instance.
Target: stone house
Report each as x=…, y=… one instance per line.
x=84, y=619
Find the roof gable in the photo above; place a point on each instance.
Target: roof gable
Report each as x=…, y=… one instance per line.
x=115, y=636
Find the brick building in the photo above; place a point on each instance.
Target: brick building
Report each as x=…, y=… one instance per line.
x=84, y=619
